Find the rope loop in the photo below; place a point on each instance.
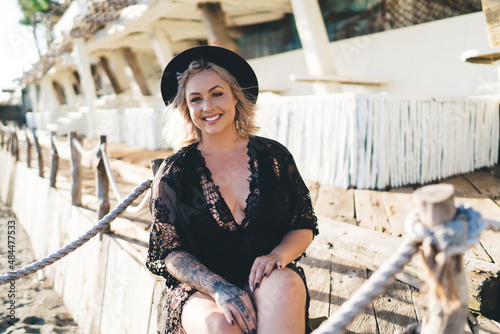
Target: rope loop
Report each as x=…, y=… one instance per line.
x=451, y=238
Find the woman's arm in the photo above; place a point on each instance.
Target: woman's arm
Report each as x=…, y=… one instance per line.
x=293, y=244
x=233, y=301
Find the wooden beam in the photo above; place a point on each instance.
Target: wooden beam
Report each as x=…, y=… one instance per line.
x=339, y=79
x=59, y=92
x=139, y=77
x=111, y=75
x=215, y=25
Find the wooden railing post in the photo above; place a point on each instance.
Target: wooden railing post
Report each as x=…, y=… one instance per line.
x=446, y=277
x=39, y=152
x=76, y=171
x=55, y=160
x=28, y=148
x=15, y=143
x=2, y=140
x=102, y=187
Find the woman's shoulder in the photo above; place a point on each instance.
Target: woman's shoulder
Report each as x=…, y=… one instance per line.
x=270, y=146
x=175, y=162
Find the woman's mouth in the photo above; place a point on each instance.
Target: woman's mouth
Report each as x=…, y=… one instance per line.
x=212, y=118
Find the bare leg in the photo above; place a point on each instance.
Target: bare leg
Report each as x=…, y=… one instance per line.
x=201, y=315
x=280, y=301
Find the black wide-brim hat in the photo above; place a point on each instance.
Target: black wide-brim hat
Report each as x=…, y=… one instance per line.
x=222, y=57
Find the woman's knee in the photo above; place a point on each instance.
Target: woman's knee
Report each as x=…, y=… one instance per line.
x=282, y=287
x=201, y=315
x=217, y=323
x=285, y=281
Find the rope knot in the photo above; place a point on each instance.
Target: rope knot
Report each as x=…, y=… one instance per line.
x=451, y=238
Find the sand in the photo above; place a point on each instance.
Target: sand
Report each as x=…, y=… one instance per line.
x=29, y=305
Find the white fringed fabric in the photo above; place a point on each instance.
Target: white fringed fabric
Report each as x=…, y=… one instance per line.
x=374, y=141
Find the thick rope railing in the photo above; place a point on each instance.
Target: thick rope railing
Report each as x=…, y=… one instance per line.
x=101, y=225
x=454, y=237
x=63, y=149
x=82, y=151
x=112, y=180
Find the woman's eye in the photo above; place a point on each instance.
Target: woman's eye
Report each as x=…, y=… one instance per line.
x=217, y=94
x=195, y=99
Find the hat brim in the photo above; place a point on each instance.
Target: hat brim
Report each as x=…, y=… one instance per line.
x=225, y=58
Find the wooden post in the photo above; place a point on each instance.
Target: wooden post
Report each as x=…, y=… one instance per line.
x=39, y=153
x=28, y=149
x=111, y=75
x=446, y=277
x=213, y=18
x=15, y=144
x=155, y=165
x=55, y=160
x=102, y=187
x=76, y=174
x=139, y=76
x=315, y=43
x=2, y=142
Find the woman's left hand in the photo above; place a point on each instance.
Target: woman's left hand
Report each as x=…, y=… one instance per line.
x=262, y=267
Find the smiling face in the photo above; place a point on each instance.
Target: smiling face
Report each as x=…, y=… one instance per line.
x=211, y=104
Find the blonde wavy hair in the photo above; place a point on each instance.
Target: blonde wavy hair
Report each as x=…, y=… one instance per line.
x=245, y=107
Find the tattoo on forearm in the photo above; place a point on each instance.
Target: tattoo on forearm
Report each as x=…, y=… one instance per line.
x=186, y=268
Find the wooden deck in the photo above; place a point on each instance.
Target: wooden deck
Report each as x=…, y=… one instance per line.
x=332, y=276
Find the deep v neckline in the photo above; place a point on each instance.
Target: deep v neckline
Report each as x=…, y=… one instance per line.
x=251, y=186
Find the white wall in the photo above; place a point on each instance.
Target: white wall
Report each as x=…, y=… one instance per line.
x=423, y=59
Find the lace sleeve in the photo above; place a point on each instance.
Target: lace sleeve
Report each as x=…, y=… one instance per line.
x=303, y=216
x=164, y=237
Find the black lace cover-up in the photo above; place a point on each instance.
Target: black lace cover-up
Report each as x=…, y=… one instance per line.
x=189, y=214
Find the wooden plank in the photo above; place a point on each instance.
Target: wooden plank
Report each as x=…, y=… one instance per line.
x=394, y=308
x=370, y=211
x=489, y=210
x=486, y=183
x=398, y=203
x=317, y=266
x=371, y=249
x=348, y=277
x=336, y=203
x=463, y=188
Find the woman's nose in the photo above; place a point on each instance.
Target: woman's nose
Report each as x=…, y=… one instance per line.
x=207, y=104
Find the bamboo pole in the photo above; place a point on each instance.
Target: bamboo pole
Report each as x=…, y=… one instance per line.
x=55, y=160
x=39, y=153
x=446, y=277
x=76, y=179
x=102, y=187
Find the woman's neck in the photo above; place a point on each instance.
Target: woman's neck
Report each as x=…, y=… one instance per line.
x=221, y=144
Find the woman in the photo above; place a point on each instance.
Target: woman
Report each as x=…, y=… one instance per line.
x=231, y=213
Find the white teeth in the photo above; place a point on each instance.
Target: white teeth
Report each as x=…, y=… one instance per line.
x=210, y=119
